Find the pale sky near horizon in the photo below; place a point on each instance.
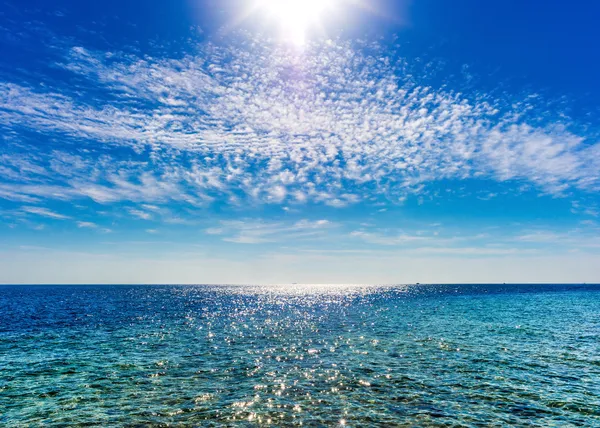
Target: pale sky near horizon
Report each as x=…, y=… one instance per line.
x=281, y=141
x=82, y=268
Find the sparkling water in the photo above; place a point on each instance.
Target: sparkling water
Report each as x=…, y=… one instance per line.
x=300, y=355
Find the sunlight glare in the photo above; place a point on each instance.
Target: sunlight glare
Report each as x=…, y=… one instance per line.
x=295, y=17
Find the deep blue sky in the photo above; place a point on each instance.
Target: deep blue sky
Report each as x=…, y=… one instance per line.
x=189, y=141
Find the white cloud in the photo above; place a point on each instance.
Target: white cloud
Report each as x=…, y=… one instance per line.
x=388, y=239
x=257, y=123
x=140, y=214
x=260, y=232
x=434, y=240
x=473, y=251
x=44, y=213
x=86, y=224
x=214, y=231
x=539, y=237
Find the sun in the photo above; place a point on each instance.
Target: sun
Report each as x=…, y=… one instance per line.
x=296, y=17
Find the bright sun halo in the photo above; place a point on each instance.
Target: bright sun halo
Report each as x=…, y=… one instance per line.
x=295, y=17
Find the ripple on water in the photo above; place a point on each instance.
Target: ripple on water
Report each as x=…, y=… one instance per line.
x=316, y=355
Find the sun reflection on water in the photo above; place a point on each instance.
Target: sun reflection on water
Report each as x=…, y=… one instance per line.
x=303, y=354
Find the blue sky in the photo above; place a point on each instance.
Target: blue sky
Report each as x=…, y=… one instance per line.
x=228, y=142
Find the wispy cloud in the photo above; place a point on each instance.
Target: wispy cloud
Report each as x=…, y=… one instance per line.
x=498, y=242
x=258, y=232
x=587, y=236
x=540, y=237
x=44, y=213
x=86, y=224
x=255, y=123
x=473, y=251
x=140, y=214
x=388, y=239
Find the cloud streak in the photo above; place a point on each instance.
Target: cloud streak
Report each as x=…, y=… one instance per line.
x=260, y=232
x=45, y=213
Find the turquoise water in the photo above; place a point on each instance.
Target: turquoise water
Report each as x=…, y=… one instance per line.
x=316, y=356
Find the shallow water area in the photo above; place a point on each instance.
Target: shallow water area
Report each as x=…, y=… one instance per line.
x=443, y=355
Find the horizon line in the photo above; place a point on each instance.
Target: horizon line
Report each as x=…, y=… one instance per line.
x=305, y=284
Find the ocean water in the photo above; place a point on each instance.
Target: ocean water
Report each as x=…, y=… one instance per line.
x=300, y=355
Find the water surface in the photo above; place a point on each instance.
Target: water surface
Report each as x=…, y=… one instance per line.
x=289, y=355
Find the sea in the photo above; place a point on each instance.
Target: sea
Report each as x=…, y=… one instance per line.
x=300, y=355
